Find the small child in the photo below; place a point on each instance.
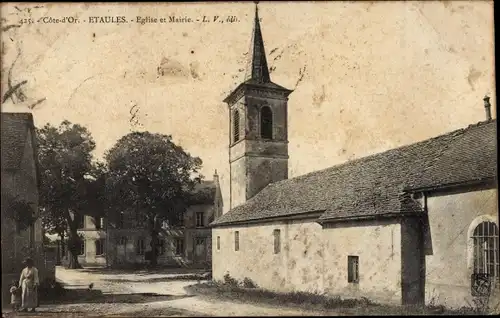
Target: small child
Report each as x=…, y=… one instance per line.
x=15, y=298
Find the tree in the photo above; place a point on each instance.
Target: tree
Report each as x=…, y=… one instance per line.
x=69, y=181
x=53, y=222
x=19, y=211
x=154, y=176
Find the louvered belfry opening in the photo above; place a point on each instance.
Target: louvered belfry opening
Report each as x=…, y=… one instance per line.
x=236, y=126
x=266, y=123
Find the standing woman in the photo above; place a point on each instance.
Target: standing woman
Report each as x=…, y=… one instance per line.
x=29, y=283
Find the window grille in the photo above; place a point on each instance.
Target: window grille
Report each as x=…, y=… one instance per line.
x=486, y=258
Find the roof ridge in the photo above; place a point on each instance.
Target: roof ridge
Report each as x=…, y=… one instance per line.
x=455, y=132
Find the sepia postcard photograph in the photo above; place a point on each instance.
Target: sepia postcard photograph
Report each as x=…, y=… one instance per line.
x=249, y=158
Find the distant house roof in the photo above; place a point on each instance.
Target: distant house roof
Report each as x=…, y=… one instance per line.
x=203, y=193
x=376, y=185
x=14, y=131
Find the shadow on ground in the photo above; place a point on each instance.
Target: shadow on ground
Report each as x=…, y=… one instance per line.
x=144, y=271
x=44, y=313
x=159, y=279
x=82, y=296
x=161, y=312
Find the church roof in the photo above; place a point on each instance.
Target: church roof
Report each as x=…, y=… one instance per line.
x=377, y=185
x=14, y=132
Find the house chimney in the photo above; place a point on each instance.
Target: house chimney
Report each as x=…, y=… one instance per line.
x=487, y=107
x=216, y=176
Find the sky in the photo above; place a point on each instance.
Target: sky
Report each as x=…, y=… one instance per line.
x=367, y=76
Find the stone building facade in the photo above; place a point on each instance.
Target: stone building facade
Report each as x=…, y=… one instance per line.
x=20, y=184
x=127, y=241
x=412, y=225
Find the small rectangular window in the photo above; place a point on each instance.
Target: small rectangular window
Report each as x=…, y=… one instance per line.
x=82, y=248
x=123, y=240
x=140, y=246
x=161, y=247
x=237, y=241
x=199, y=219
x=179, y=247
x=277, y=241
x=121, y=220
x=353, y=269
x=218, y=243
x=99, y=223
x=140, y=219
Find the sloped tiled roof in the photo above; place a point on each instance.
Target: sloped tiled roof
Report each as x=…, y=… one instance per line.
x=374, y=185
x=14, y=132
x=469, y=154
x=203, y=193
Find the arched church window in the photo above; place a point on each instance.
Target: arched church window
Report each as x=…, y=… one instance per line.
x=266, y=123
x=486, y=257
x=236, y=126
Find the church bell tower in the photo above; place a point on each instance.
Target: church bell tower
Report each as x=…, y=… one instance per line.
x=258, y=144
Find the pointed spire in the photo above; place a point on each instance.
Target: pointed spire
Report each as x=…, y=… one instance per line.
x=259, y=69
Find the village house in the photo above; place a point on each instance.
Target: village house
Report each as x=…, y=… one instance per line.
x=412, y=225
x=20, y=180
x=126, y=241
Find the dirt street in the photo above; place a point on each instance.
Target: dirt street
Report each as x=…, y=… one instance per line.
x=146, y=294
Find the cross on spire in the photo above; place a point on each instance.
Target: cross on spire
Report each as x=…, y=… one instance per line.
x=260, y=71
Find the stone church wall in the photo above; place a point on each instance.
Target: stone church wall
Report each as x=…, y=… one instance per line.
x=449, y=254
x=313, y=259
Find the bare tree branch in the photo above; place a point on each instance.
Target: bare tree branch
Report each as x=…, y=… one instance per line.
x=7, y=27
x=37, y=103
x=12, y=90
